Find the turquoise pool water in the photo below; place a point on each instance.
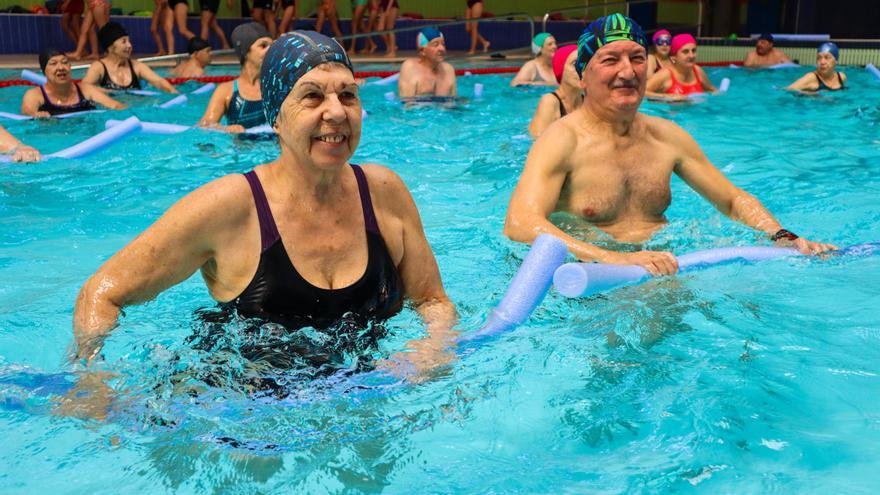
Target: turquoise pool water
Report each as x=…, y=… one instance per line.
x=743, y=378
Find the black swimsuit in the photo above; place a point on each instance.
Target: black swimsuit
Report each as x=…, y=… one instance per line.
x=278, y=293
x=824, y=87
x=247, y=113
x=108, y=83
x=80, y=106
x=562, y=111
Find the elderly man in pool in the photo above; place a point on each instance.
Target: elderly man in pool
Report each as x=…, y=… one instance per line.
x=307, y=240
x=612, y=166
x=430, y=74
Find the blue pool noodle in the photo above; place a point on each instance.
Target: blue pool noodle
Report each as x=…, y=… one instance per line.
x=204, y=89
x=177, y=100
x=163, y=128
x=873, y=70
x=526, y=290
x=29, y=75
x=724, y=86
x=15, y=116
x=100, y=140
x=586, y=279
x=387, y=80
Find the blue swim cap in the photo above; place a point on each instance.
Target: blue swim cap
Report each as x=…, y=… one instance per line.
x=605, y=30
x=288, y=59
x=829, y=47
x=427, y=35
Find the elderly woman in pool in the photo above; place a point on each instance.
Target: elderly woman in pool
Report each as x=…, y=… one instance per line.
x=304, y=240
x=826, y=77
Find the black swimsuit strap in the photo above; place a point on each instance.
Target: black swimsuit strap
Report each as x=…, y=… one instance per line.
x=268, y=230
x=366, y=202
x=562, y=111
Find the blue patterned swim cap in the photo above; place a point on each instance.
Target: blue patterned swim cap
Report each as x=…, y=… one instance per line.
x=605, y=30
x=288, y=59
x=829, y=47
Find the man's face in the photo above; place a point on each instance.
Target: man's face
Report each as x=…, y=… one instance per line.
x=616, y=75
x=203, y=56
x=763, y=47
x=435, y=50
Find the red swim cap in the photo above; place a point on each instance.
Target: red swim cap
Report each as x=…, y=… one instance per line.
x=559, y=59
x=678, y=41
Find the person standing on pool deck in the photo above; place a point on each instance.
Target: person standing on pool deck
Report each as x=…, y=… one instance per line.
x=10, y=145
x=764, y=54
x=825, y=77
x=305, y=240
x=117, y=71
x=60, y=95
x=474, y=11
x=683, y=77
x=208, y=20
x=564, y=99
x=430, y=74
x=660, y=58
x=611, y=165
x=241, y=100
x=199, y=57
x=539, y=70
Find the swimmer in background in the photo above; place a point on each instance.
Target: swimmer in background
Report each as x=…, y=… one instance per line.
x=117, y=71
x=240, y=101
x=10, y=145
x=825, y=77
x=199, y=58
x=539, y=70
x=306, y=240
x=60, y=95
x=563, y=100
x=683, y=77
x=764, y=54
x=611, y=166
x=430, y=74
x=660, y=58
x=388, y=10
x=327, y=11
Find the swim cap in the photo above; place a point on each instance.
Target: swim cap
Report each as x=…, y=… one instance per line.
x=245, y=35
x=47, y=54
x=427, y=35
x=605, y=30
x=829, y=47
x=288, y=59
x=111, y=32
x=195, y=44
x=538, y=42
x=659, y=34
x=559, y=59
x=678, y=41
x=766, y=36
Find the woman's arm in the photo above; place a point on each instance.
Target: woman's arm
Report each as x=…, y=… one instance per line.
x=146, y=73
x=95, y=94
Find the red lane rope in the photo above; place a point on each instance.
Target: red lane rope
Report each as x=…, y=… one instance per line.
x=364, y=74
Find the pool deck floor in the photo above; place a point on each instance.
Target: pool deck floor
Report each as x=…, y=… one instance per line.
x=29, y=61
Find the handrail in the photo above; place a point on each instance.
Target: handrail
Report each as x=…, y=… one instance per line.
x=173, y=56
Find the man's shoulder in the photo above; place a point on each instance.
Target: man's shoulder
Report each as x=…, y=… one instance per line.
x=659, y=127
x=447, y=67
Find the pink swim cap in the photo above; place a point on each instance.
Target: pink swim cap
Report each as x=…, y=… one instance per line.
x=660, y=33
x=559, y=59
x=679, y=40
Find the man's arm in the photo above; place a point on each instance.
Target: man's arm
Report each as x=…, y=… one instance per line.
x=750, y=59
x=537, y=193
x=406, y=84
x=450, y=73
x=782, y=57
x=696, y=170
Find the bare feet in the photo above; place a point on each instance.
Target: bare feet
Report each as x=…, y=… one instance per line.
x=160, y=53
x=373, y=47
x=74, y=55
x=486, y=47
x=391, y=53
x=471, y=52
x=93, y=56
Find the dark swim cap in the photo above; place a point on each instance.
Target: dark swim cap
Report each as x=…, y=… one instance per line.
x=195, y=44
x=288, y=59
x=766, y=36
x=829, y=47
x=111, y=32
x=427, y=35
x=245, y=35
x=605, y=30
x=47, y=54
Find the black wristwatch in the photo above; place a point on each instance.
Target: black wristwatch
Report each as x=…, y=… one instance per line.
x=783, y=234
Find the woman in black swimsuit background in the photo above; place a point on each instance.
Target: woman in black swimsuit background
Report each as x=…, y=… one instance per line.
x=307, y=239
x=117, y=71
x=826, y=76
x=60, y=94
x=565, y=99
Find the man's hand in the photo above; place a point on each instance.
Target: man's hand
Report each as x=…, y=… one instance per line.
x=806, y=246
x=655, y=262
x=25, y=153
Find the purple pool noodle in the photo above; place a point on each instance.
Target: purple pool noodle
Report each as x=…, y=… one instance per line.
x=105, y=138
x=526, y=290
x=204, y=89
